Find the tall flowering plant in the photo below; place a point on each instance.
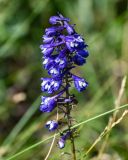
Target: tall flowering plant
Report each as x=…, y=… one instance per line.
x=63, y=49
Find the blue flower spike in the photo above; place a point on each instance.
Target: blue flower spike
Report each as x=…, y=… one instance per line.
x=62, y=50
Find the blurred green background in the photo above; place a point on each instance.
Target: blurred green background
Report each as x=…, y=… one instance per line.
x=104, y=24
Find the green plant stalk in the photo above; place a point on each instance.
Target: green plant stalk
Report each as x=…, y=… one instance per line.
x=69, y=123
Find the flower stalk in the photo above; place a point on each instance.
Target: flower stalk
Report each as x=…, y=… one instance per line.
x=69, y=123
x=63, y=49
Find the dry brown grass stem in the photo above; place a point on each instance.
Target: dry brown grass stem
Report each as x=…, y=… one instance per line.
x=53, y=141
x=111, y=123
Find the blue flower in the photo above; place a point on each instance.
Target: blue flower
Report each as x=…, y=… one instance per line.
x=52, y=125
x=63, y=138
x=75, y=42
x=61, y=62
x=54, y=71
x=58, y=19
x=47, y=39
x=48, y=103
x=78, y=60
x=80, y=83
x=61, y=143
x=48, y=62
x=83, y=53
x=46, y=49
x=69, y=28
x=53, y=31
x=50, y=85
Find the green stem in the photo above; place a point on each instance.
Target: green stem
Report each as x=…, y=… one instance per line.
x=68, y=108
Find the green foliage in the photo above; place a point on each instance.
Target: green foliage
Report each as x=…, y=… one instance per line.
x=104, y=26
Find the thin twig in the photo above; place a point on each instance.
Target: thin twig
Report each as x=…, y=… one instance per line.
x=50, y=149
x=118, y=100
x=106, y=130
x=120, y=119
x=111, y=122
x=113, y=118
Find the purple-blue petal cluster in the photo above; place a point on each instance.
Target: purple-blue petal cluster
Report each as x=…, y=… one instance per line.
x=63, y=49
x=48, y=104
x=63, y=138
x=80, y=83
x=50, y=85
x=52, y=125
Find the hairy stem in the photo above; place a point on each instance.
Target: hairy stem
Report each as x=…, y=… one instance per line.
x=68, y=109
